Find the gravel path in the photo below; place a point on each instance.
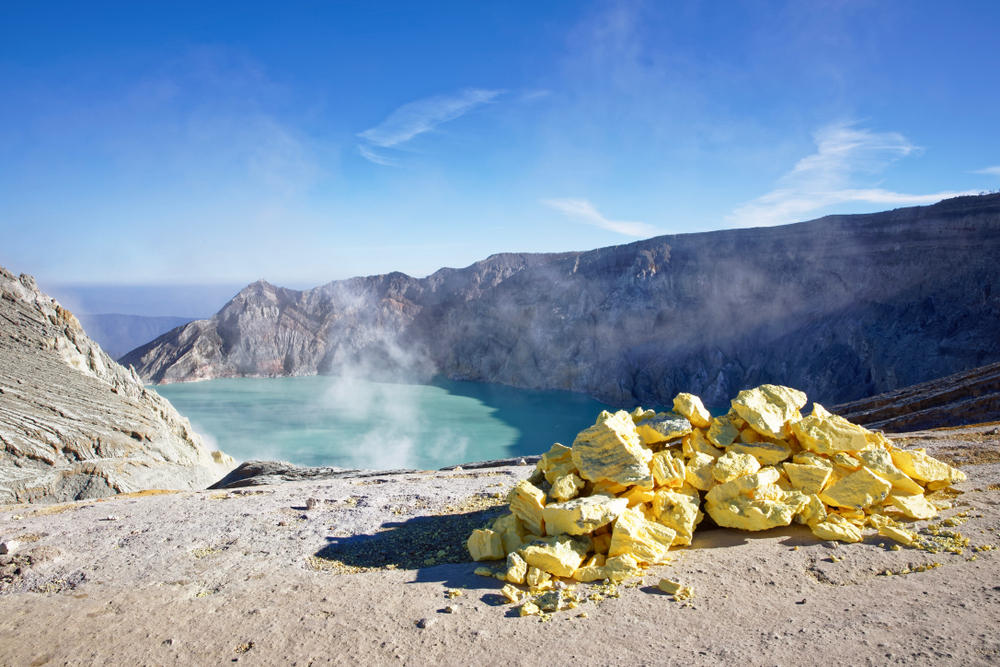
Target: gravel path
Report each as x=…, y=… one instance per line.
x=314, y=573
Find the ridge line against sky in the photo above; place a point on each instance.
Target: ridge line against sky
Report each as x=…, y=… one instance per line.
x=222, y=142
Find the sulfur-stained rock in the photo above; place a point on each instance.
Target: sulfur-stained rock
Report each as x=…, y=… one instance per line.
x=769, y=409
x=879, y=461
x=608, y=488
x=745, y=513
x=667, y=470
x=551, y=601
x=485, y=545
x=580, y=516
x=813, y=512
x=811, y=459
x=527, y=501
x=913, y=505
x=537, y=578
x=826, y=433
x=664, y=427
x=722, y=433
x=517, y=569
x=838, y=528
x=698, y=471
x=511, y=593
x=638, y=496
x=640, y=414
x=602, y=543
x=808, y=479
x=648, y=542
x=734, y=464
x=558, y=555
x=691, y=407
x=846, y=461
x=560, y=470
x=766, y=453
x=678, y=511
x=857, y=491
x=622, y=567
x=566, y=488
x=916, y=464
x=611, y=450
x=529, y=609
x=898, y=534
x=745, y=485
x=556, y=456
x=697, y=442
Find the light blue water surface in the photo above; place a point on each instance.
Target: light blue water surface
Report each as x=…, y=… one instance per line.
x=351, y=423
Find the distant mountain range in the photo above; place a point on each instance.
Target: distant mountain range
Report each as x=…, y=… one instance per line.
x=117, y=334
x=843, y=307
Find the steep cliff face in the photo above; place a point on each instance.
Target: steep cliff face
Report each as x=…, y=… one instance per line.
x=842, y=307
x=73, y=423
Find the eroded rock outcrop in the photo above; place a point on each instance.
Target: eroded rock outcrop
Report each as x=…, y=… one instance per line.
x=76, y=425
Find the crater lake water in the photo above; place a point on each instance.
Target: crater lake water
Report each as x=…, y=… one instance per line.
x=352, y=423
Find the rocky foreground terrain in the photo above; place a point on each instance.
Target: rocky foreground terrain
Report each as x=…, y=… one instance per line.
x=843, y=308
x=362, y=569
x=73, y=423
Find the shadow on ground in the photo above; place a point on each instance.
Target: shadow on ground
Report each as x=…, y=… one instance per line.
x=421, y=542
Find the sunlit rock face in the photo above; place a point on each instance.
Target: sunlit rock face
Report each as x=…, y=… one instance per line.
x=843, y=307
x=76, y=425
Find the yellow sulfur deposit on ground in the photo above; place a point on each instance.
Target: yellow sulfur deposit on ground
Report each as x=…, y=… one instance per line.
x=635, y=485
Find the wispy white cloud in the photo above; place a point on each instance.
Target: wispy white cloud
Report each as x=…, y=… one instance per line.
x=581, y=210
x=844, y=154
x=372, y=156
x=422, y=116
x=989, y=171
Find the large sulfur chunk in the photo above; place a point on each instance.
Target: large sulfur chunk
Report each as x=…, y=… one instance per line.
x=648, y=542
x=667, y=470
x=560, y=470
x=734, y=464
x=766, y=453
x=580, y=516
x=698, y=471
x=813, y=512
x=527, y=501
x=622, y=567
x=678, y=510
x=664, y=427
x=837, y=528
x=857, y=491
x=915, y=463
x=826, y=433
x=722, y=432
x=879, y=461
x=769, y=408
x=566, y=487
x=556, y=456
x=610, y=450
x=696, y=442
x=913, y=505
x=485, y=545
x=558, y=555
x=691, y=407
x=745, y=513
x=808, y=479
x=517, y=569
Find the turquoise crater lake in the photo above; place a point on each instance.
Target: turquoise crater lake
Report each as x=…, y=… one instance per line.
x=351, y=423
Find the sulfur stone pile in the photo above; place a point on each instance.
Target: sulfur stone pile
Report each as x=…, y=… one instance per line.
x=635, y=485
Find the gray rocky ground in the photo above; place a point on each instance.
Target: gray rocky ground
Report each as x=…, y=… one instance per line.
x=265, y=576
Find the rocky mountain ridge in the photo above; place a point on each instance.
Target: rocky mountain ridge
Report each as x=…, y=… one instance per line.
x=73, y=423
x=843, y=307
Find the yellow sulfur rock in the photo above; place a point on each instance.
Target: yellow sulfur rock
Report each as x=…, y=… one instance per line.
x=766, y=453
x=745, y=513
x=722, y=433
x=611, y=450
x=847, y=461
x=638, y=496
x=769, y=408
x=536, y=577
x=749, y=436
x=556, y=456
x=698, y=471
x=566, y=488
x=529, y=609
x=857, y=491
x=592, y=569
x=836, y=527
x=509, y=523
x=857, y=517
x=691, y=407
x=667, y=470
x=602, y=543
x=826, y=433
x=879, y=461
x=483, y=571
x=808, y=479
x=622, y=567
x=609, y=488
x=648, y=542
x=678, y=590
x=813, y=512
x=510, y=593
x=745, y=485
x=810, y=459
x=527, y=501
x=558, y=555
x=916, y=464
x=639, y=414
x=901, y=535
x=664, y=427
x=697, y=442
x=517, y=569
x=913, y=505
x=560, y=470
x=511, y=542
x=485, y=545
x=678, y=511
x=734, y=464
x=580, y=516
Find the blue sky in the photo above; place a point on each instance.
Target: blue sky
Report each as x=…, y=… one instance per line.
x=218, y=143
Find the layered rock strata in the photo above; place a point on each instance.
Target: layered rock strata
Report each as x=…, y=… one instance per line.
x=844, y=307
x=76, y=425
